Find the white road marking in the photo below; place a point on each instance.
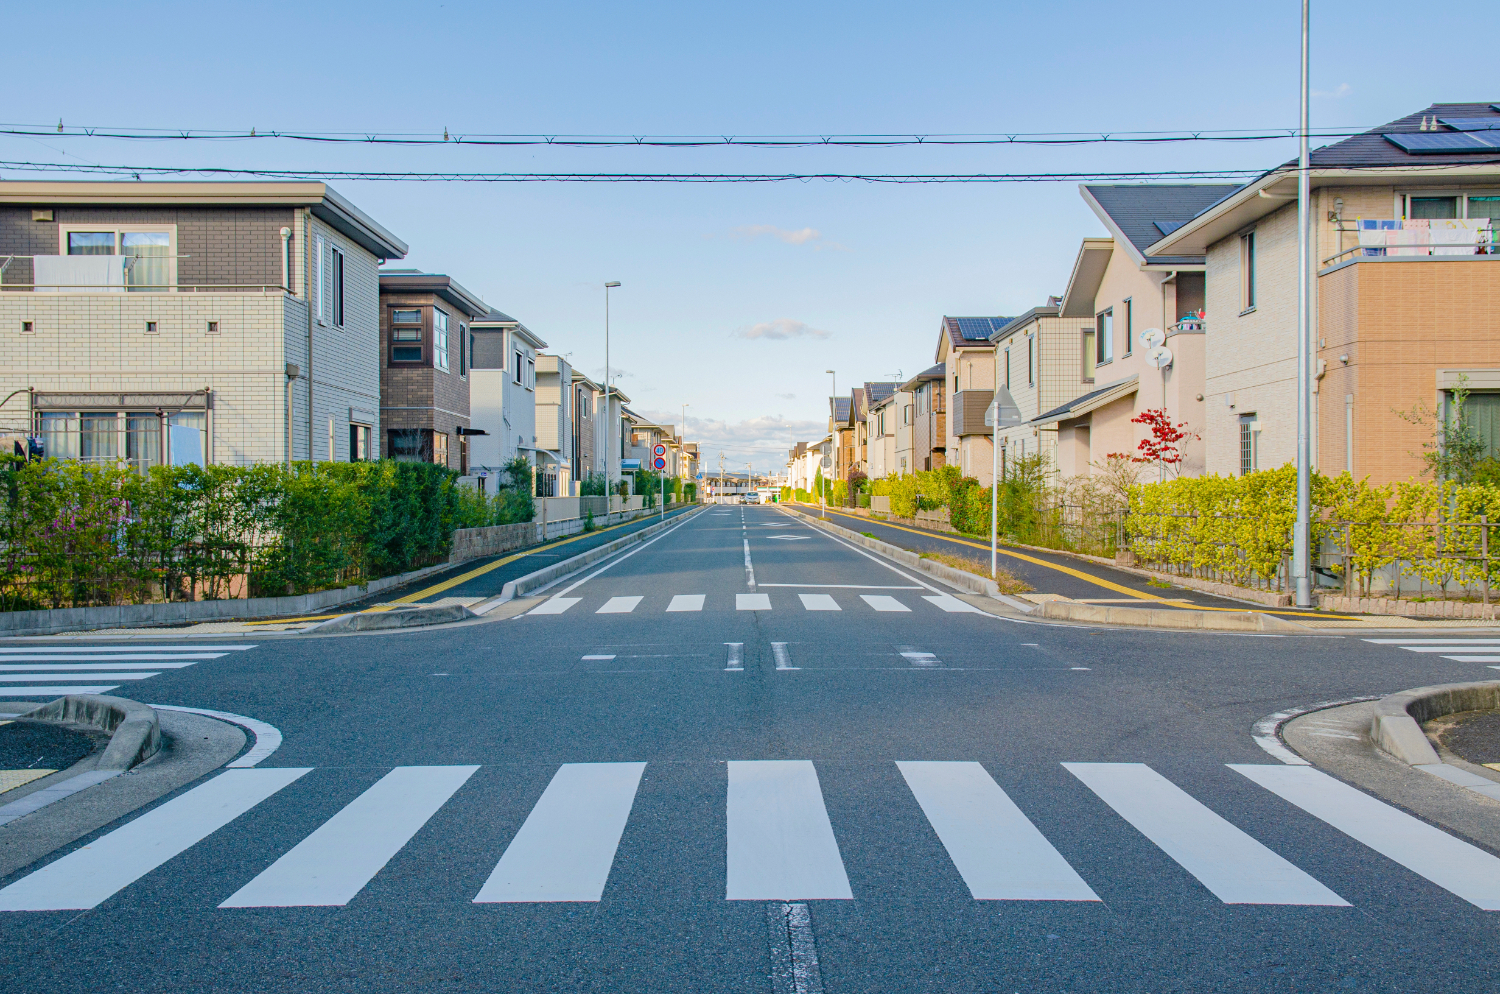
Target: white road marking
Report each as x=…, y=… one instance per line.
x=554, y=605
x=882, y=602
x=267, y=737
x=819, y=602
x=1435, y=648
x=600, y=658
x=951, y=604
x=1474, y=659
x=995, y=847
x=1234, y=867
x=1452, y=641
x=749, y=567
x=686, y=602
x=780, y=842
x=134, y=658
x=838, y=586
x=89, y=667
x=783, y=657
x=1452, y=864
x=88, y=876
x=925, y=659
x=787, y=538
x=19, y=677
x=619, y=605
x=734, y=657
x=338, y=859
x=566, y=847
x=74, y=647
x=752, y=602
x=55, y=691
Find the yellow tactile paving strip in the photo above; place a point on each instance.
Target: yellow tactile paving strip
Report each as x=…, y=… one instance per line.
x=11, y=779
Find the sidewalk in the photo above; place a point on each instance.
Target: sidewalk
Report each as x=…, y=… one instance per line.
x=464, y=583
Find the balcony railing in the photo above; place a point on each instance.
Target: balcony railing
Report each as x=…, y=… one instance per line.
x=147, y=288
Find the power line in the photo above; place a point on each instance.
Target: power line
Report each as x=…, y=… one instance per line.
x=417, y=139
x=491, y=177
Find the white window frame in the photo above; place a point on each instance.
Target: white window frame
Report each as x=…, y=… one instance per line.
x=317, y=280
x=440, y=339
x=336, y=259
x=63, y=230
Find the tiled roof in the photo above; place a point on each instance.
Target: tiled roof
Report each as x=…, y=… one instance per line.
x=1145, y=214
x=930, y=373
x=971, y=331
x=840, y=409
x=876, y=392
x=1372, y=149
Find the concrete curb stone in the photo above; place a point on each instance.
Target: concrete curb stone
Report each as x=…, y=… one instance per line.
x=135, y=729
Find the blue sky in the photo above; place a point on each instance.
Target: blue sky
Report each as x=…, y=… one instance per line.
x=735, y=298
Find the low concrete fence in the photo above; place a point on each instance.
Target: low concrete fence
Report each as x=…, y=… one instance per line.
x=1409, y=609
x=475, y=543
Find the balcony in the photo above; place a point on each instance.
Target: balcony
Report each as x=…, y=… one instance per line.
x=968, y=411
x=1417, y=239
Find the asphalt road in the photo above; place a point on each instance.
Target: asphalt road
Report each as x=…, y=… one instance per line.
x=656, y=777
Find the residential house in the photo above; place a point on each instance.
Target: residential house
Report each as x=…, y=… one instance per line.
x=921, y=438
x=554, y=426
x=966, y=352
x=587, y=418
x=1405, y=277
x=841, y=428
x=880, y=432
x=424, y=380
x=1036, y=359
x=1116, y=294
x=502, y=392
x=157, y=323
x=644, y=436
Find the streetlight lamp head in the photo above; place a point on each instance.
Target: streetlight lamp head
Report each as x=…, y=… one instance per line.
x=612, y=283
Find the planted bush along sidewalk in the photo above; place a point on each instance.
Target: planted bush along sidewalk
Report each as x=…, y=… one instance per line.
x=77, y=534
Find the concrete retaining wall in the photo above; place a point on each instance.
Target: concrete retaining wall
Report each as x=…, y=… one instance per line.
x=476, y=543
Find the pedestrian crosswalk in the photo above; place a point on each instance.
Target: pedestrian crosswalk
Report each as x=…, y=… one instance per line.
x=788, y=600
x=54, y=669
x=780, y=840
x=1459, y=650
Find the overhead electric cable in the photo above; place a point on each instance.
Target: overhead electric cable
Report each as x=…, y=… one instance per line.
x=893, y=140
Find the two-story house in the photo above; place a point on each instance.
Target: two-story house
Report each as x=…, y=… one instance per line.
x=157, y=323
x=922, y=436
x=880, y=431
x=1404, y=271
x=424, y=377
x=502, y=392
x=965, y=350
x=1036, y=359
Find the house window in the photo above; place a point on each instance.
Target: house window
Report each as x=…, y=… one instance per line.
x=1030, y=361
x=530, y=373
x=406, y=335
x=336, y=285
x=359, y=443
x=411, y=445
x=150, y=255
x=440, y=339
x=1484, y=207
x=1090, y=355
x=1007, y=367
x=1248, y=439
x=1247, y=271
x=440, y=448
x=518, y=366
x=1432, y=207
x=213, y=327
x=1129, y=326
x=1104, y=336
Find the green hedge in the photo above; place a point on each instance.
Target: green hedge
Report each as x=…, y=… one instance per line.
x=76, y=534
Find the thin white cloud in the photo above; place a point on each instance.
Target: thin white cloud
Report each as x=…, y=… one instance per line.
x=1342, y=90
x=802, y=236
x=786, y=396
x=764, y=440
x=780, y=330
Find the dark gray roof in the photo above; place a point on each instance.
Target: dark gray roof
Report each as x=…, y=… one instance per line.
x=971, y=331
x=437, y=284
x=1372, y=149
x=1145, y=214
x=496, y=317
x=1023, y=319
x=840, y=409
x=930, y=373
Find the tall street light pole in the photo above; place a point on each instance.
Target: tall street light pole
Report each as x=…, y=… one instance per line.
x=609, y=417
x=682, y=445
x=1301, y=532
x=834, y=401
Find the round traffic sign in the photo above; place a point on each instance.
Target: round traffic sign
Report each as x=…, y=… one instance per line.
x=660, y=462
x=659, y=450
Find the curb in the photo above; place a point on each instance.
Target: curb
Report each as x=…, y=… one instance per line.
x=531, y=581
x=1397, y=726
x=135, y=730
x=408, y=616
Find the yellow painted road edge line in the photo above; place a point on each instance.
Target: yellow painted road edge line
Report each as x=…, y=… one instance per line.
x=1098, y=581
x=463, y=578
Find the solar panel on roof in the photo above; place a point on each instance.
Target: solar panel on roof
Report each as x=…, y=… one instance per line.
x=1472, y=123
x=1449, y=142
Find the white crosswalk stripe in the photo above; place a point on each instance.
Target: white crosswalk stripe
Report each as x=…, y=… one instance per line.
x=779, y=842
x=639, y=604
x=686, y=602
x=555, y=605
x=1233, y=866
x=883, y=602
x=566, y=847
x=335, y=862
x=752, y=602
x=819, y=602
x=54, y=669
x=619, y=605
x=996, y=849
x=1459, y=650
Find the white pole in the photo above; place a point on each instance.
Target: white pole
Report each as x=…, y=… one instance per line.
x=1301, y=533
x=995, y=485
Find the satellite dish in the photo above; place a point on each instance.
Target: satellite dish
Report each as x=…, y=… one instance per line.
x=1160, y=356
x=1152, y=337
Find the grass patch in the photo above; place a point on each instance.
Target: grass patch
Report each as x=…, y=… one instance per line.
x=1007, y=581
x=1160, y=583
x=868, y=534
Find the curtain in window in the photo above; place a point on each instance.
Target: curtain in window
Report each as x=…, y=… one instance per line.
x=148, y=264
x=91, y=243
x=99, y=437
x=142, y=441
x=60, y=435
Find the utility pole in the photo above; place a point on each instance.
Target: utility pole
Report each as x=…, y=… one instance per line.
x=1301, y=532
x=608, y=415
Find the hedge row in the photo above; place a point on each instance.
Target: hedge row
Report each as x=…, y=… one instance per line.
x=74, y=534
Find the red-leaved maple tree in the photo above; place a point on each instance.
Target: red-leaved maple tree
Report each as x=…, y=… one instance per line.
x=1164, y=443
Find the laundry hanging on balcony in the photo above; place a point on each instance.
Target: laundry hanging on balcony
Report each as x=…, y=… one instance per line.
x=1424, y=236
